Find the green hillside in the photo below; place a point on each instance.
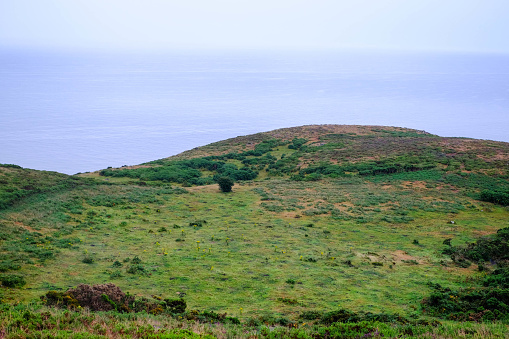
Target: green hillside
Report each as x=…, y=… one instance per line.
x=369, y=219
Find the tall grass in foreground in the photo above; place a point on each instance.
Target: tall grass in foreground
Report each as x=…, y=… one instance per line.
x=30, y=322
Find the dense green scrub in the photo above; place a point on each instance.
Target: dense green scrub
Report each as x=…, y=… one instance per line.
x=488, y=301
x=35, y=322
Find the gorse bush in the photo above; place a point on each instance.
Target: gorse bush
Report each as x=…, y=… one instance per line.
x=175, y=306
x=468, y=304
x=9, y=265
x=225, y=184
x=488, y=302
x=12, y=280
x=88, y=259
x=490, y=248
x=501, y=198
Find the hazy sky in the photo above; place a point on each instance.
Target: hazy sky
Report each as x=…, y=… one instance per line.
x=471, y=25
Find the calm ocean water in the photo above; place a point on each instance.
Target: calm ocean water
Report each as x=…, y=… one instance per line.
x=75, y=113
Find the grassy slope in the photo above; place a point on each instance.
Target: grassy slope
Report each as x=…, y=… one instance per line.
x=274, y=244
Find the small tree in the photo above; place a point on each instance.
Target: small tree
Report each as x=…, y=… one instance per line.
x=225, y=184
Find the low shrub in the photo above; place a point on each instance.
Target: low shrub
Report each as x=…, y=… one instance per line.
x=288, y=301
x=175, y=305
x=197, y=223
x=87, y=260
x=311, y=315
x=9, y=265
x=340, y=315
x=13, y=280
x=210, y=316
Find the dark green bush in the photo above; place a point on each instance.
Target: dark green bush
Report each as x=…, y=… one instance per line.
x=467, y=304
x=474, y=304
x=225, y=184
x=311, y=315
x=501, y=198
x=297, y=143
x=88, y=260
x=341, y=315
x=116, y=274
x=210, y=316
x=197, y=223
x=136, y=269
x=498, y=278
x=13, y=280
x=9, y=265
x=186, y=172
x=175, y=306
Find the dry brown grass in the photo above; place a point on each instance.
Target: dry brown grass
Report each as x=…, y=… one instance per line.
x=310, y=132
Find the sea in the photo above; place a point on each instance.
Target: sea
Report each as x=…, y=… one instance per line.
x=74, y=112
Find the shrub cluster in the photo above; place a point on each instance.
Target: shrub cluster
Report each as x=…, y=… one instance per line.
x=485, y=303
x=12, y=280
x=346, y=316
x=493, y=248
x=387, y=166
x=496, y=197
x=184, y=172
x=472, y=304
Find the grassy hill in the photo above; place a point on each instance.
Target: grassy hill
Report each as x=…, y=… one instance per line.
x=320, y=218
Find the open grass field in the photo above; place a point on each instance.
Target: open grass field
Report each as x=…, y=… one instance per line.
x=320, y=218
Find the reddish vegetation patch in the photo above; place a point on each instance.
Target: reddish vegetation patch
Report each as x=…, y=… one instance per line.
x=433, y=199
x=92, y=296
x=28, y=228
x=414, y=184
x=313, y=133
x=290, y=214
x=401, y=256
x=206, y=188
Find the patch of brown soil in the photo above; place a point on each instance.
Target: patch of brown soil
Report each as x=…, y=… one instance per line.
x=207, y=188
x=434, y=199
x=414, y=184
x=28, y=228
x=290, y=214
x=400, y=256
x=484, y=233
x=343, y=206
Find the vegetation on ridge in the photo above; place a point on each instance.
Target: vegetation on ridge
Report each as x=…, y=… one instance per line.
x=345, y=220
